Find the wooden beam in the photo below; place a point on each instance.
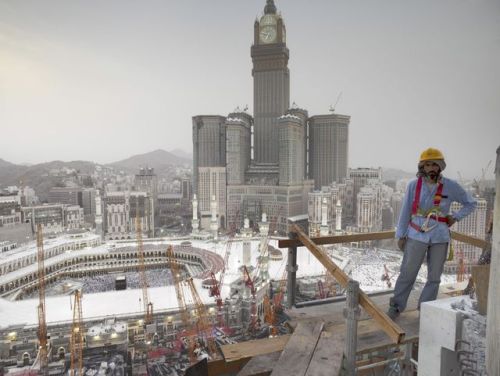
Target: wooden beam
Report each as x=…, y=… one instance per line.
x=248, y=349
x=286, y=243
x=393, y=330
x=470, y=240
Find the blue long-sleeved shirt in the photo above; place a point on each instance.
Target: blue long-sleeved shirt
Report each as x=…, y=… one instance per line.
x=452, y=191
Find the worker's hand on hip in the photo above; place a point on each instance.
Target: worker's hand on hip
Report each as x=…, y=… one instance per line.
x=401, y=244
x=450, y=220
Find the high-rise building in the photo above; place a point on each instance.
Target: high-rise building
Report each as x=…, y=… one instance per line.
x=292, y=134
x=265, y=157
x=328, y=148
x=66, y=195
x=212, y=183
x=321, y=204
x=88, y=205
x=360, y=177
x=10, y=209
x=238, y=146
x=474, y=225
x=271, y=82
x=121, y=210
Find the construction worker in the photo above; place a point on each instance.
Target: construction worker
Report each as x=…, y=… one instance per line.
x=423, y=228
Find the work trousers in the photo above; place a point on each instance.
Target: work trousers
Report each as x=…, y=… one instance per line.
x=414, y=253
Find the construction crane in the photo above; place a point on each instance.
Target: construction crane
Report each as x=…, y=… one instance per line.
x=386, y=277
x=176, y=275
x=460, y=266
x=76, y=339
x=216, y=289
x=204, y=325
x=479, y=184
x=42, y=324
x=253, y=304
x=269, y=316
x=148, y=306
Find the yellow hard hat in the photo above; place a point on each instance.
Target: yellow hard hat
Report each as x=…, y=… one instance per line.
x=432, y=154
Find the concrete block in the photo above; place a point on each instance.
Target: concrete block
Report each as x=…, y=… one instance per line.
x=440, y=326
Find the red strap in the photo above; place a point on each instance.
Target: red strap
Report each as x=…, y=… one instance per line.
x=416, y=201
x=438, y=196
x=418, y=189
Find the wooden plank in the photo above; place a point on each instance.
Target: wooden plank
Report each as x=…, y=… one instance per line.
x=392, y=329
x=327, y=358
x=248, y=349
x=297, y=353
x=470, y=240
x=261, y=365
x=322, y=240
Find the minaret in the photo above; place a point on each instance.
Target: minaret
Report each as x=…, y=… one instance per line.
x=195, y=222
x=324, y=230
x=264, y=251
x=247, y=234
x=214, y=226
x=338, y=218
x=98, y=215
x=264, y=226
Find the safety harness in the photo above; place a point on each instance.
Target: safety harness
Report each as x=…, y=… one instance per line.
x=429, y=214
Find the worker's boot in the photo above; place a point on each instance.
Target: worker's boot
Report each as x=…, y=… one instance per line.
x=393, y=311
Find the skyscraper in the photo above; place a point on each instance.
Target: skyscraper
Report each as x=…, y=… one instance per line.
x=328, y=148
x=265, y=157
x=271, y=82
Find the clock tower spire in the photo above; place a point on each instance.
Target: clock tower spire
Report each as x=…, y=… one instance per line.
x=271, y=82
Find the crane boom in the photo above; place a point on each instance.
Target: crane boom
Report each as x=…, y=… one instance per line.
x=76, y=339
x=176, y=275
x=42, y=324
x=204, y=325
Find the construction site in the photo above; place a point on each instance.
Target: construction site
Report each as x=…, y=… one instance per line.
x=238, y=304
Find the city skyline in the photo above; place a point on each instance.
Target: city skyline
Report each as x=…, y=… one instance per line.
x=71, y=91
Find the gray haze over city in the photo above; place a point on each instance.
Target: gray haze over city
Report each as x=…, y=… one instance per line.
x=104, y=80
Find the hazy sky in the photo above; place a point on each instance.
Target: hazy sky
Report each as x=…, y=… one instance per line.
x=102, y=80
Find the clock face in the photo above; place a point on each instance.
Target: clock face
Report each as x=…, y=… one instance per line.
x=267, y=34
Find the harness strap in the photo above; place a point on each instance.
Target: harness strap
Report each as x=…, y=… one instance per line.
x=437, y=201
x=416, y=200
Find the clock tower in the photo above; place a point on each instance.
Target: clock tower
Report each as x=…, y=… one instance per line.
x=271, y=83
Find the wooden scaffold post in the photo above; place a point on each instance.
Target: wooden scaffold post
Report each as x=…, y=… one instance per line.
x=351, y=314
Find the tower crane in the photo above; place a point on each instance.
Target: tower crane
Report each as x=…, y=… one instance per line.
x=270, y=316
x=176, y=275
x=148, y=306
x=386, y=277
x=76, y=339
x=204, y=325
x=216, y=289
x=42, y=324
x=253, y=304
x=460, y=266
